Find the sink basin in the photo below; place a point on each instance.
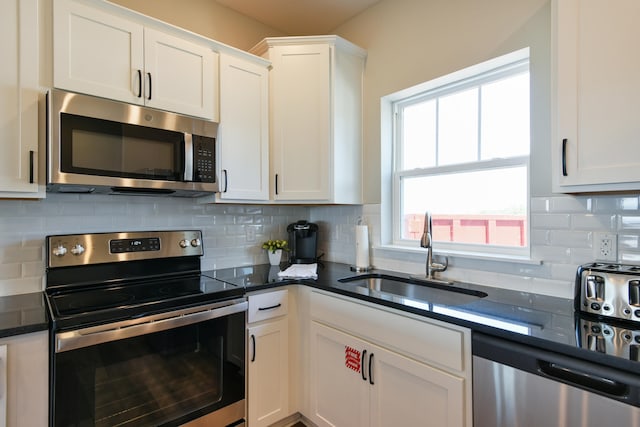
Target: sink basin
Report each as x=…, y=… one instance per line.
x=411, y=291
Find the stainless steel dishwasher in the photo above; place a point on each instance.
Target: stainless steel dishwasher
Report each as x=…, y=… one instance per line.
x=515, y=385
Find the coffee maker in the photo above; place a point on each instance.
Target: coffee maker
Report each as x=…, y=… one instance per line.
x=303, y=242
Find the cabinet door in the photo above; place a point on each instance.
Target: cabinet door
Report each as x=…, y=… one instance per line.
x=268, y=372
x=597, y=95
x=19, y=93
x=26, y=379
x=97, y=53
x=243, y=135
x=179, y=75
x=301, y=122
x=339, y=378
x=409, y=393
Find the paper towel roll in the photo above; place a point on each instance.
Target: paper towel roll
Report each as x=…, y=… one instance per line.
x=362, y=246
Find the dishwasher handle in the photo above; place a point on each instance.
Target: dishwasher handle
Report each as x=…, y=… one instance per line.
x=587, y=375
x=595, y=383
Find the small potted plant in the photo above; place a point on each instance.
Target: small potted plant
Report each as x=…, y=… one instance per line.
x=274, y=250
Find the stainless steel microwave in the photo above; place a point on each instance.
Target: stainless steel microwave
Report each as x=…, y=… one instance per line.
x=96, y=145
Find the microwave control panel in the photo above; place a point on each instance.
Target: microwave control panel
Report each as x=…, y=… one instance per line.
x=204, y=159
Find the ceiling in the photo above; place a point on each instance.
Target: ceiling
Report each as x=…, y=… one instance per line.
x=300, y=17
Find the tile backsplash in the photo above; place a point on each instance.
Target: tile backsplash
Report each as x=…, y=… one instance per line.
x=562, y=229
x=562, y=237
x=227, y=242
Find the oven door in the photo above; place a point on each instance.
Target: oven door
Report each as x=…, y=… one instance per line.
x=161, y=370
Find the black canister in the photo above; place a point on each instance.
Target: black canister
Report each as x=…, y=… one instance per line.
x=303, y=242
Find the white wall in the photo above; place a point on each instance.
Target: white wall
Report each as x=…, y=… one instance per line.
x=413, y=41
x=205, y=17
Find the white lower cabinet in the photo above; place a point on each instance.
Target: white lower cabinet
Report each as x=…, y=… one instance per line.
x=363, y=375
x=24, y=380
x=268, y=358
x=339, y=391
x=409, y=393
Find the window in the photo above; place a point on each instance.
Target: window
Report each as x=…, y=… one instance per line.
x=461, y=151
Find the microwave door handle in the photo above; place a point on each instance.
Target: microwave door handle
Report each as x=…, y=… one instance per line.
x=188, y=159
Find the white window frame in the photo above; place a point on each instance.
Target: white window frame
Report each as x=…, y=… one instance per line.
x=468, y=77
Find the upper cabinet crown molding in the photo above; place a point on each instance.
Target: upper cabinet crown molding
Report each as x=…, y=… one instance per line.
x=343, y=44
x=597, y=96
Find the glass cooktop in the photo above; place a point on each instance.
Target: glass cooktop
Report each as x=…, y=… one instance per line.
x=103, y=303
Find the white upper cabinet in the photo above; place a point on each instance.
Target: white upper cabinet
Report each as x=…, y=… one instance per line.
x=101, y=53
x=243, y=135
x=19, y=92
x=98, y=53
x=316, y=118
x=597, y=96
x=179, y=75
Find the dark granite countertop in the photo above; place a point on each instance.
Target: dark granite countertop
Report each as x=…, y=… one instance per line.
x=544, y=322
x=23, y=314
x=541, y=321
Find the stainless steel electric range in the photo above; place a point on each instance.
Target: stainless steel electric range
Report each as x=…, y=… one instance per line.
x=139, y=336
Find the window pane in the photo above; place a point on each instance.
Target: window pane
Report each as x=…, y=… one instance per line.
x=419, y=131
x=480, y=207
x=505, y=117
x=458, y=128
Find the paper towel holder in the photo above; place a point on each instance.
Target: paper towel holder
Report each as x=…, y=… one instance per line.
x=362, y=263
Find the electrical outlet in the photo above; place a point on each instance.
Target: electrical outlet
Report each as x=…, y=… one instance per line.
x=250, y=233
x=605, y=247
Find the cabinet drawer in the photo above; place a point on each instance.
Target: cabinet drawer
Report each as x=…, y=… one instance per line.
x=268, y=305
x=436, y=343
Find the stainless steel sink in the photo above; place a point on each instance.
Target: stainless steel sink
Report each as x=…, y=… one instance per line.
x=410, y=290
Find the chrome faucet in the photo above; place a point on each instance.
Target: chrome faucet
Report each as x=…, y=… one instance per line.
x=427, y=243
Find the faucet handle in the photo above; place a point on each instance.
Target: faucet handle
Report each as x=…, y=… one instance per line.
x=436, y=266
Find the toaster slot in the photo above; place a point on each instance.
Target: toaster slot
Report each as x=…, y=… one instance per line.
x=595, y=287
x=596, y=343
x=634, y=293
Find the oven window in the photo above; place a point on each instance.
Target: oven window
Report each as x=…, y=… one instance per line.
x=164, y=378
x=102, y=147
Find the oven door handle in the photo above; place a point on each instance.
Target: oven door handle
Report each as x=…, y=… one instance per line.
x=71, y=340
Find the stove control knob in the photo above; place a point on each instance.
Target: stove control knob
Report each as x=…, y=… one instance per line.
x=59, y=250
x=195, y=243
x=77, y=249
x=184, y=243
